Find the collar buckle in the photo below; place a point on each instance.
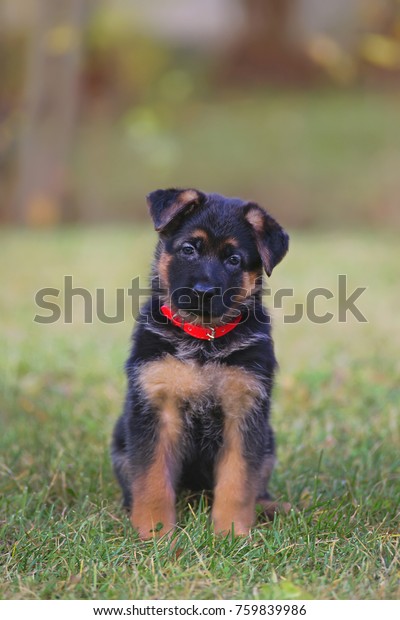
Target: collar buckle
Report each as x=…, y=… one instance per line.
x=211, y=334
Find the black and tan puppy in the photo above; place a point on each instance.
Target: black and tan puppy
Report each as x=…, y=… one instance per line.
x=201, y=368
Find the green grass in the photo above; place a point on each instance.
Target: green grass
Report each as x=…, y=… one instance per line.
x=319, y=158
x=336, y=413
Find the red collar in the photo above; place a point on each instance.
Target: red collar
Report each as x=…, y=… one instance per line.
x=198, y=331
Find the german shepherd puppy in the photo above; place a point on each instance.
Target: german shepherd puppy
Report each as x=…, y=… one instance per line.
x=202, y=364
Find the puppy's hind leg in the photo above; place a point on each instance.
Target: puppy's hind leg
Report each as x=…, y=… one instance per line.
x=264, y=499
x=120, y=460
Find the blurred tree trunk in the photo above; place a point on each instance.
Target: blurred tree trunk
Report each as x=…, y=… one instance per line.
x=269, y=20
x=50, y=112
x=267, y=50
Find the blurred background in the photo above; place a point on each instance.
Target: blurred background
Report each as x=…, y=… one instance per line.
x=291, y=103
x=294, y=103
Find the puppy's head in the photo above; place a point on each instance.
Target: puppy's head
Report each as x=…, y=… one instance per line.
x=212, y=250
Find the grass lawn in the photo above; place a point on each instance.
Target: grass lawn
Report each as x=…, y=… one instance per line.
x=63, y=533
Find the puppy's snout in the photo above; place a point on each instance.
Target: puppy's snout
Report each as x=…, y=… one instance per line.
x=205, y=291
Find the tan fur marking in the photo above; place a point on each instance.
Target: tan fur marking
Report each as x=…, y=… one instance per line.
x=154, y=499
x=200, y=233
x=230, y=241
x=250, y=281
x=153, y=493
x=171, y=423
x=255, y=218
x=188, y=195
x=171, y=378
x=168, y=382
x=237, y=390
x=184, y=198
x=234, y=494
x=265, y=257
x=163, y=267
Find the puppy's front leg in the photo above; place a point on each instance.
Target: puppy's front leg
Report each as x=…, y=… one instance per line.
x=234, y=492
x=237, y=481
x=153, y=487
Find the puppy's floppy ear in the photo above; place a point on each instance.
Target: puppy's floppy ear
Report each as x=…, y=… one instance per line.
x=272, y=241
x=166, y=205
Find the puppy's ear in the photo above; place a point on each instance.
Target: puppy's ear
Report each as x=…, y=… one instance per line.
x=167, y=205
x=272, y=241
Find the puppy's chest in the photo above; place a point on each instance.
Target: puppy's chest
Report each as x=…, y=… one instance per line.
x=199, y=388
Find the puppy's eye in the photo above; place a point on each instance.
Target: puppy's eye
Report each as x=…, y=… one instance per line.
x=234, y=260
x=187, y=249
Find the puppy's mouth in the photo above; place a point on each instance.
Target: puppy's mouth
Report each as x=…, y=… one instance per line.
x=209, y=307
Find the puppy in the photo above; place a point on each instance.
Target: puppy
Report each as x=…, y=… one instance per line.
x=202, y=364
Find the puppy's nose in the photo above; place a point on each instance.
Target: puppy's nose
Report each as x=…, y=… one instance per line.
x=205, y=291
